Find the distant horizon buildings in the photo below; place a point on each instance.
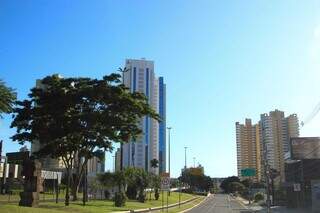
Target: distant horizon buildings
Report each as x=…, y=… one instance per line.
x=141, y=77
x=269, y=140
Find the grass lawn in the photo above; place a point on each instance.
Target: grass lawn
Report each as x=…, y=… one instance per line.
x=92, y=206
x=46, y=196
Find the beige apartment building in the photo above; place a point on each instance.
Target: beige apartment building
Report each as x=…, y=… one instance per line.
x=276, y=131
x=248, y=148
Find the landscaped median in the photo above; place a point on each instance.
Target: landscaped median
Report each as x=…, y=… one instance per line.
x=106, y=205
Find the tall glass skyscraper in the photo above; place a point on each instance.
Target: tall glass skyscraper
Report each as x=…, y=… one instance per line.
x=140, y=77
x=162, y=126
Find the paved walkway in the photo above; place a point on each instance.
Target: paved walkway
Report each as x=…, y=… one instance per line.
x=274, y=209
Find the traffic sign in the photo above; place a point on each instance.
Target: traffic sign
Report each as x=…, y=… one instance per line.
x=248, y=172
x=296, y=187
x=165, y=181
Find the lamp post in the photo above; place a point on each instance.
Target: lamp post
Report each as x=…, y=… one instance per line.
x=124, y=70
x=114, y=163
x=185, y=157
x=194, y=162
x=169, y=132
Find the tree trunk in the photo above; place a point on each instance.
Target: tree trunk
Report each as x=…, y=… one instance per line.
x=67, y=189
x=75, y=177
x=75, y=188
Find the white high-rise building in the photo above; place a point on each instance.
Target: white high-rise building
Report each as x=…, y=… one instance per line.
x=140, y=77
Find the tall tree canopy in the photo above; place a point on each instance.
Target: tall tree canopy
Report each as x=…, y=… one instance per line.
x=225, y=185
x=7, y=98
x=73, y=117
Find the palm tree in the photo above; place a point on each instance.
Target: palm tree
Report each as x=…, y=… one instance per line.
x=7, y=97
x=154, y=163
x=153, y=178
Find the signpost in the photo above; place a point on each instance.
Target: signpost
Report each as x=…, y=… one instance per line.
x=165, y=186
x=248, y=172
x=296, y=187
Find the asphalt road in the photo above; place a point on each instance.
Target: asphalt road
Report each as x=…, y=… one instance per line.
x=220, y=203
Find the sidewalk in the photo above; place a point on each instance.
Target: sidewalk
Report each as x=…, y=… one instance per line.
x=253, y=206
x=283, y=209
x=275, y=209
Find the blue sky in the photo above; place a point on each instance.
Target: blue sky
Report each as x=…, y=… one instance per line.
x=222, y=61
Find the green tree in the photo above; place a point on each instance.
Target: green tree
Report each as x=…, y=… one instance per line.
x=196, y=181
x=236, y=187
x=73, y=117
x=132, y=186
x=152, y=177
x=118, y=179
x=137, y=181
x=7, y=98
x=155, y=184
x=106, y=179
x=142, y=182
x=225, y=183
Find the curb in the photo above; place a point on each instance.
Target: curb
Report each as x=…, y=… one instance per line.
x=241, y=203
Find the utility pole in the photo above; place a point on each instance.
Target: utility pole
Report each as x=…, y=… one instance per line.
x=185, y=157
x=267, y=176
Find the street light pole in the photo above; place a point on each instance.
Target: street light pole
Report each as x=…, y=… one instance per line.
x=124, y=70
x=114, y=163
x=194, y=162
x=169, y=132
x=185, y=157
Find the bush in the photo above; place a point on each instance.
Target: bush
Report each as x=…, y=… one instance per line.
x=142, y=196
x=131, y=192
x=106, y=194
x=156, y=194
x=120, y=199
x=258, y=197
